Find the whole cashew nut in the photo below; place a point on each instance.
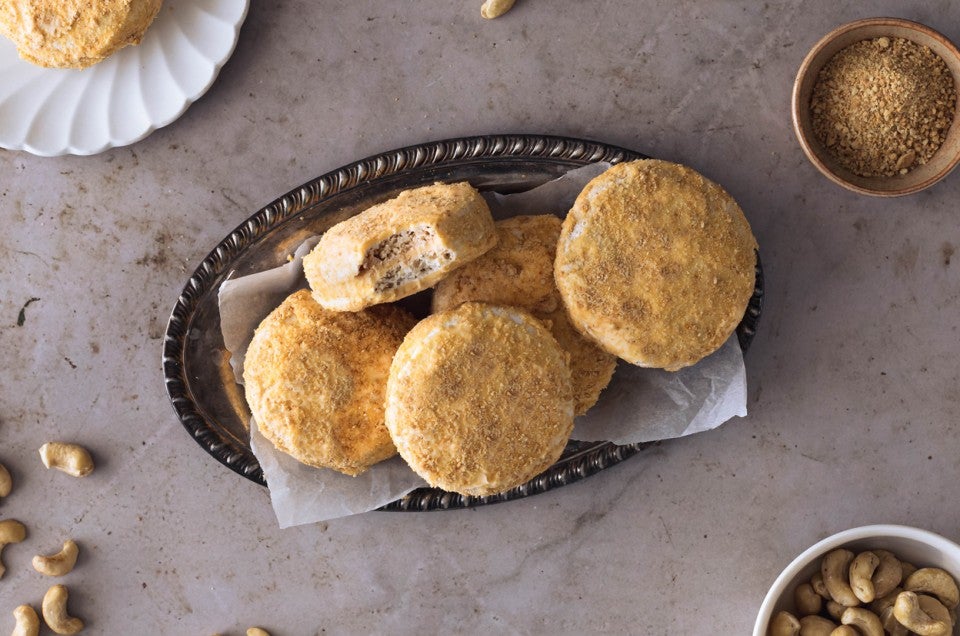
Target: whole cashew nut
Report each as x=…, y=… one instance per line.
x=806, y=600
x=835, y=610
x=864, y=620
x=910, y=614
x=257, y=631
x=888, y=575
x=28, y=623
x=11, y=531
x=816, y=626
x=834, y=568
x=54, y=608
x=495, y=8
x=934, y=581
x=60, y=563
x=72, y=459
x=6, y=482
x=861, y=572
x=816, y=582
x=891, y=624
x=783, y=624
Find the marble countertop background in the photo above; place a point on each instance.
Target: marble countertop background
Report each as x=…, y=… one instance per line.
x=853, y=375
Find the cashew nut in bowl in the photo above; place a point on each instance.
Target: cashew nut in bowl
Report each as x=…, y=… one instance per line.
x=72, y=459
x=866, y=622
x=934, y=581
x=835, y=610
x=845, y=630
x=784, y=624
x=11, y=531
x=28, y=623
x=816, y=626
x=881, y=603
x=60, y=563
x=6, y=482
x=816, y=582
x=806, y=600
x=888, y=575
x=861, y=572
x=834, y=568
x=910, y=614
x=891, y=624
x=54, y=608
x=257, y=631
x=495, y=8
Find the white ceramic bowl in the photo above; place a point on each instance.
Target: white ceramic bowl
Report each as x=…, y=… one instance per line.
x=919, y=547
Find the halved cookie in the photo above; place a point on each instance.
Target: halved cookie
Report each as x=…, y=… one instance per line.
x=399, y=247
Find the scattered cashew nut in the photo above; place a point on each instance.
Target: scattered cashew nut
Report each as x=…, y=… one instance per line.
x=934, y=581
x=888, y=575
x=864, y=620
x=6, y=482
x=72, y=459
x=806, y=600
x=60, y=563
x=861, y=572
x=783, y=624
x=910, y=614
x=816, y=626
x=495, y=8
x=54, y=608
x=834, y=568
x=257, y=631
x=28, y=623
x=11, y=531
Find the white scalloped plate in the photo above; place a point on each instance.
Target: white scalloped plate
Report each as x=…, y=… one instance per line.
x=124, y=98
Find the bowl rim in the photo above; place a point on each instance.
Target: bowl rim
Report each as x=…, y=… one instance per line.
x=805, y=67
x=833, y=541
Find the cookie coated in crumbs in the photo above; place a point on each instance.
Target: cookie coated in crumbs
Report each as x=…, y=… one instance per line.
x=656, y=263
x=518, y=272
x=315, y=381
x=479, y=399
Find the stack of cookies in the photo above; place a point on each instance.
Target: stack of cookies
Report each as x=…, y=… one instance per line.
x=654, y=264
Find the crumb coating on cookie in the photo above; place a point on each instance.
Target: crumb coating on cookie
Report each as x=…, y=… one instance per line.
x=315, y=381
x=519, y=272
x=656, y=263
x=479, y=399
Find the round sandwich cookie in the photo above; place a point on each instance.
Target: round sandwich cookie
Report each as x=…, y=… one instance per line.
x=399, y=247
x=479, y=399
x=74, y=33
x=656, y=263
x=315, y=381
x=518, y=272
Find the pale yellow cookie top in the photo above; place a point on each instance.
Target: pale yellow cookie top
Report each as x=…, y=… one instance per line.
x=518, y=272
x=479, y=399
x=656, y=263
x=74, y=33
x=315, y=381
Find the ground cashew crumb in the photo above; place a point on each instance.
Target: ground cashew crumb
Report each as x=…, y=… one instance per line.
x=882, y=107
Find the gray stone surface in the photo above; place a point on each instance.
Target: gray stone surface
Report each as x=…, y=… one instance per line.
x=853, y=376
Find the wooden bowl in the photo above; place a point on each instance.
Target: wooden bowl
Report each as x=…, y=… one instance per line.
x=924, y=176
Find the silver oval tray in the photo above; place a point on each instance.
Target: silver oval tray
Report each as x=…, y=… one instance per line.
x=196, y=366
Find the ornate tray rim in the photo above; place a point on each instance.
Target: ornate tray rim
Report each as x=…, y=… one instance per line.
x=580, y=460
